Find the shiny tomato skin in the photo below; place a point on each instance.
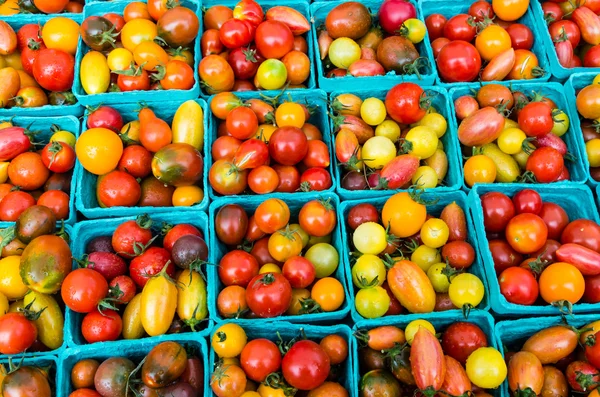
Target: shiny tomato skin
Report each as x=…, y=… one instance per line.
x=118, y=188
x=526, y=233
x=521, y=36
x=237, y=268
x=101, y=327
x=317, y=179
x=458, y=61
x=461, y=339
x=274, y=39
x=269, y=295
x=555, y=218
x=592, y=289
x=136, y=160
x=527, y=201
x=150, y=263
x=306, y=365
x=54, y=69
x=519, y=286
x=17, y=333
x=235, y=33
x=360, y=214
x=289, y=178
x=583, y=232
x=435, y=25
x=288, y=145
x=259, y=358
x=504, y=255
x=459, y=28
x=498, y=210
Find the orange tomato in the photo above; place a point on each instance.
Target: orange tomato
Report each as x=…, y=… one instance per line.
x=51, y=6
x=328, y=293
x=492, y=41
x=136, y=10
x=99, y=150
x=297, y=65
x=561, y=281
x=216, y=74
x=526, y=66
x=28, y=171
x=479, y=169
x=149, y=55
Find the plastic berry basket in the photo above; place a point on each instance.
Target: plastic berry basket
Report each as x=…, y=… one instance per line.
x=218, y=250
x=441, y=103
x=103, y=7
x=43, y=125
x=572, y=138
x=18, y=21
x=540, y=47
x=576, y=200
x=134, y=350
x=301, y=6
x=315, y=100
x=49, y=361
x=273, y=331
x=86, y=201
x=319, y=11
x=477, y=268
x=85, y=231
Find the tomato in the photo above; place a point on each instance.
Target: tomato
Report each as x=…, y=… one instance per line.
x=561, y=281
x=519, y=286
x=535, y=119
x=459, y=28
x=317, y=218
x=509, y=10
x=404, y=103
x=225, y=180
x=117, y=188
x=458, y=61
x=26, y=381
x=237, y=268
x=526, y=233
x=82, y=374
x=271, y=75
x=259, y=358
x=272, y=215
x=466, y=290
x=527, y=201
x=83, y=290
x=17, y=333
x=411, y=287
x=297, y=65
x=54, y=69
x=14, y=204
x=426, y=352
x=582, y=376
x=360, y=214
x=404, y=215
x=479, y=169
x=521, y=36
x=101, y=327
x=434, y=233
x=435, y=26
x=228, y=380
x=299, y=272
x=556, y=219
x=242, y=123
x=216, y=73
x=130, y=234
x=546, y=164
x=62, y=34
x=229, y=340
x=492, y=41
x=99, y=143
x=583, y=232
x=306, y=365
x=231, y=224
x=336, y=348
x=288, y=145
x=263, y=180
x=269, y=295
x=368, y=270
x=284, y=244
x=525, y=372
x=370, y=238
x=178, y=27
x=235, y=33
x=498, y=210
x=324, y=257
x=274, y=39
x=486, y=368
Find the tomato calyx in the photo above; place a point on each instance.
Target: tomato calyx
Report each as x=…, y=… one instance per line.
x=62, y=233
x=416, y=194
x=132, y=70
x=528, y=392
x=309, y=306
x=354, y=161
x=61, y=98
x=415, y=67
x=586, y=381
x=250, y=55
x=466, y=310
x=450, y=272
x=275, y=380
x=527, y=177
x=125, y=137
x=591, y=340
x=429, y=391
x=564, y=307
x=161, y=72
x=305, y=187
x=29, y=314
x=193, y=321
x=144, y=221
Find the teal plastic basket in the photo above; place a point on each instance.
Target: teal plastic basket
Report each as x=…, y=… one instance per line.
x=440, y=321
x=43, y=124
x=576, y=200
x=476, y=268
x=513, y=334
x=86, y=201
x=441, y=102
x=559, y=72
x=18, y=21
x=134, y=350
x=85, y=231
x=540, y=48
x=288, y=331
x=575, y=83
x=314, y=99
x=43, y=361
x=573, y=139
x=218, y=250
x=103, y=7
x=319, y=11
x=301, y=6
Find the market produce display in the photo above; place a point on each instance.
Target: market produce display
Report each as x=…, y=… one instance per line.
x=265, y=146
x=144, y=279
x=13, y=7
x=486, y=41
x=38, y=63
x=247, y=46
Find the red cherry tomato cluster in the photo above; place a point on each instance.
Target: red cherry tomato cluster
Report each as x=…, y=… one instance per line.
x=247, y=48
x=524, y=145
x=139, y=281
x=285, y=366
x=352, y=43
x=487, y=35
x=395, y=362
x=254, y=133
x=537, y=365
x=29, y=176
x=575, y=32
x=539, y=252
x=286, y=269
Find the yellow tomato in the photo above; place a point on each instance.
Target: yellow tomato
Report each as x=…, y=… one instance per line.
x=131, y=131
x=596, y=79
x=5, y=124
x=3, y=304
x=290, y=114
x=186, y=196
x=511, y=140
x=425, y=177
x=119, y=59
x=423, y=141
x=561, y=123
x=486, y=368
x=510, y=10
x=411, y=329
x=479, y=169
x=64, y=136
x=149, y=55
x=378, y=151
x=4, y=171
x=268, y=391
x=158, y=304
x=99, y=150
x=510, y=123
x=2, y=62
x=13, y=60
x=132, y=319
x=229, y=340
x=27, y=80
x=328, y=293
x=436, y=122
x=188, y=124
x=137, y=31
x=61, y=33
x=425, y=257
x=94, y=73
x=592, y=149
x=434, y=233
x=182, y=55
x=9, y=7
x=269, y=268
x=388, y=129
x=250, y=394
x=16, y=306
x=51, y=322
x=264, y=132
x=11, y=284
x=373, y=111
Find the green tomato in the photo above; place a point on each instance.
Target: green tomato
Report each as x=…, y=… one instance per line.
x=438, y=279
x=343, y=52
x=372, y=302
x=368, y=271
x=324, y=257
x=271, y=74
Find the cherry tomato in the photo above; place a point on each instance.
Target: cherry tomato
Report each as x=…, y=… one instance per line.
x=498, y=210
x=561, y=281
x=526, y=233
x=519, y=286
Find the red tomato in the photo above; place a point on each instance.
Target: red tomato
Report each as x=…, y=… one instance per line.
x=101, y=327
x=460, y=27
x=498, y=210
x=315, y=179
x=521, y=36
x=360, y=214
x=176, y=232
x=249, y=10
x=480, y=10
x=288, y=145
x=519, y=286
x=317, y=154
x=136, y=160
x=535, y=119
x=13, y=205
x=437, y=45
x=105, y=117
x=552, y=11
x=259, y=358
x=555, y=218
x=251, y=154
x=237, y=268
x=591, y=59
x=263, y=180
x=527, y=201
x=118, y=188
x=461, y=339
x=583, y=232
x=83, y=289
x=57, y=201
x=244, y=62
x=504, y=255
x=546, y=164
x=299, y=271
x=306, y=365
x=224, y=148
x=242, y=123
x=17, y=333
x=459, y=61
x=274, y=39
x=149, y=263
x=403, y=103
x=139, y=81
x=547, y=253
x=526, y=233
x=435, y=26
x=269, y=295
x=289, y=178
x=569, y=28
x=235, y=33
x=122, y=288
x=54, y=69
x=260, y=252
x=592, y=351
x=130, y=234
x=592, y=290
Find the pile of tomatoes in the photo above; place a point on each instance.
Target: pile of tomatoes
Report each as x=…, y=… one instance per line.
x=433, y=279
x=271, y=267
x=12, y=7
x=145, y=48
x=396, y=362
x=34, y=377
x=499, y=41
x=590, y=112
x=247, y=48
x=30, y=176
x=254, y=134
x=370, y=133
x=512, y=136
x=352, y=43
x=167, y=370
x=575, y=32
x=541, y=256
x=260, y=367
x=144, y=162
x=37, y=63
x=35, y=260
x=145, y=279
x=556, y=361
